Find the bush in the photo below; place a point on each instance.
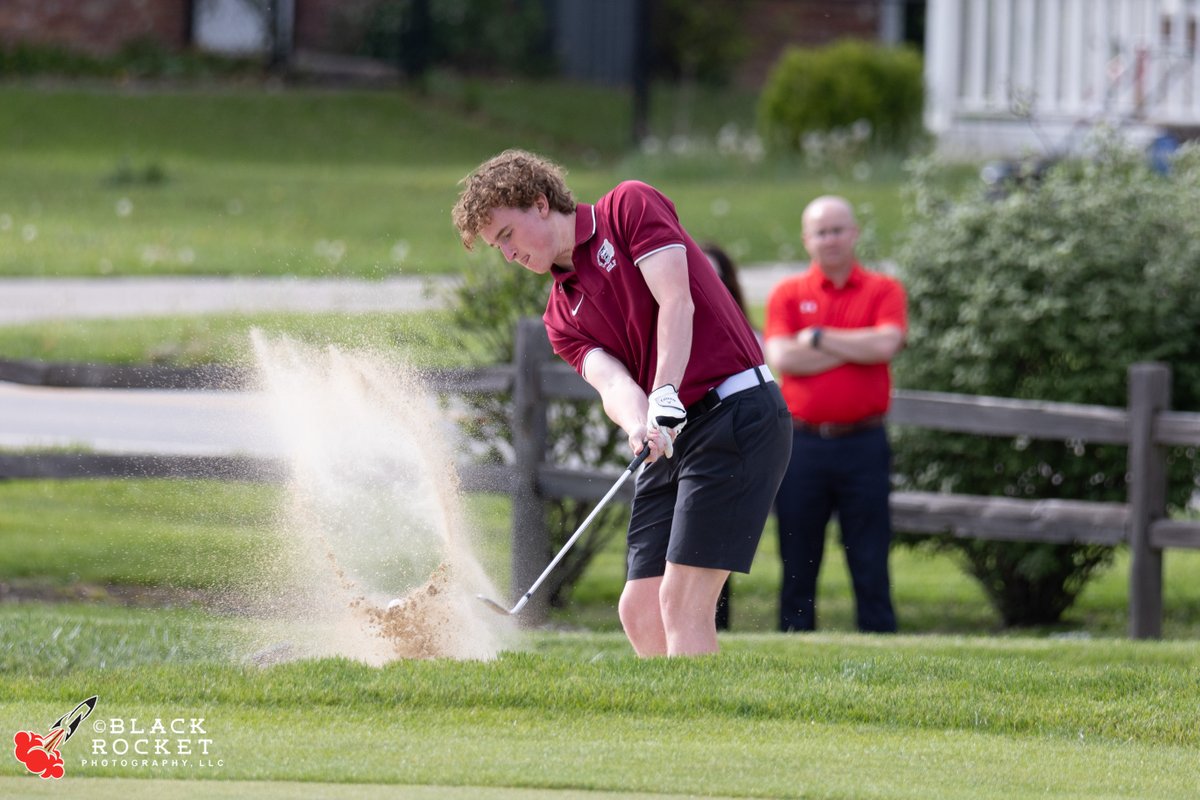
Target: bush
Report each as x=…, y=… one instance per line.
x=137, y=58
x=1049, y=292
x=847, y=86
x=485, y=309
x=27, y=59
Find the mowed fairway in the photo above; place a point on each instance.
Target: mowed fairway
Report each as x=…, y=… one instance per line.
x=824, y=716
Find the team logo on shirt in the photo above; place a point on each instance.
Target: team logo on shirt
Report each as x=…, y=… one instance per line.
x=808, y=307
x=606, y=257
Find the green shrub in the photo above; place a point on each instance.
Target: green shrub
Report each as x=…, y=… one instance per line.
x=484, y=310
x=27, y=59
x=873, y=94
x=1048, y=292
x=137, y=58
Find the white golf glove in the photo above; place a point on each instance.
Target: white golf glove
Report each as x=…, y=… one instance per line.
x=667, y=415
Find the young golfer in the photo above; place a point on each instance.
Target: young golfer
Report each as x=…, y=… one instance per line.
x=636, y=308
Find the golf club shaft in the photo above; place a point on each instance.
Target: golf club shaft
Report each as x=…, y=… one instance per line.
x=633, y=465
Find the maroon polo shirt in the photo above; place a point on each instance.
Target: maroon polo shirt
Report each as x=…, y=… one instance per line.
x=604, y=301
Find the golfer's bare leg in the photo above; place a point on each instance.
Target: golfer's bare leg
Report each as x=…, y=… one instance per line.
x=641, y=616
x=688, y=598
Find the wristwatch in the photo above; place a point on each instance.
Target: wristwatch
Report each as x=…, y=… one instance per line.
x=816, y=338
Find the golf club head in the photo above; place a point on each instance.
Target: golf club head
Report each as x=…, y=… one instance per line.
x=494, y=606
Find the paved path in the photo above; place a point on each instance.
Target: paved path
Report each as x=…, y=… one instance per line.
x=137, y=421
x=32, y=299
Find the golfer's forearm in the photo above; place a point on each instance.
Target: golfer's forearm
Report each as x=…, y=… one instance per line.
x=623, y=400
x=666, y=275
x=626, y=405
x=674, y=341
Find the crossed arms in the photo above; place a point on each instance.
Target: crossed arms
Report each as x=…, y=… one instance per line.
x=796, y=355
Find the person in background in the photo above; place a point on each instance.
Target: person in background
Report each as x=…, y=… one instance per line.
x=727, y=272
x=830, y=333
x=637, y=310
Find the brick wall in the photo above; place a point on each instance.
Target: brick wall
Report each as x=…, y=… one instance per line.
x=98, y=27
x=330, y=25
x=775, y=25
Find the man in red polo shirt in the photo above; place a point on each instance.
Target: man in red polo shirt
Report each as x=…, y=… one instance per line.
x=636, y=308
x=830, y=333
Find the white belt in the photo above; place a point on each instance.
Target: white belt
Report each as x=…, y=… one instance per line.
x=744, y=380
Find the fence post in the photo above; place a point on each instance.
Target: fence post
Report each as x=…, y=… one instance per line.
x=1149, y=394
x=530, y=539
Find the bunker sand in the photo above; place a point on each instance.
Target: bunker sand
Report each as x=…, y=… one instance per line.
x=373, y=512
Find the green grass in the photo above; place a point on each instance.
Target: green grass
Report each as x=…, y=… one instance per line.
x=215, y=536
x=950, y=713
x=318, y=183
x=255, y=182
x=211, y=536
x=153, y=533
x=696, y=112
x=931, y=594
x=422, y=339
x=152, y=789
x=827, y=716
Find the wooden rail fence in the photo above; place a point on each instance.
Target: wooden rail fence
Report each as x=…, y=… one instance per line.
x=1145, y=426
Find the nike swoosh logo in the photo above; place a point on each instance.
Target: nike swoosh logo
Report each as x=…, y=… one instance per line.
x=578, y=305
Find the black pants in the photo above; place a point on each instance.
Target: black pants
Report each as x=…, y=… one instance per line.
x=849, y=475
x=706, y=506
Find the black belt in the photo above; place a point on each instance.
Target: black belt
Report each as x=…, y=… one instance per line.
x=704, y=405
x=729, y=387
x=836, y=430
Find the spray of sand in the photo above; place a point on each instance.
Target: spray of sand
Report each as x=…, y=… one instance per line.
x=372, y=513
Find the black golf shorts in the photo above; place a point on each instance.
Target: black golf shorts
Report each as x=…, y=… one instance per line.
x=706, y=506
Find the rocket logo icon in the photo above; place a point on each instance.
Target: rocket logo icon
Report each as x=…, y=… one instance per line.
x=40, y=754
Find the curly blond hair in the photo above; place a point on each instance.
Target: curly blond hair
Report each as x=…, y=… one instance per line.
x=513, y=179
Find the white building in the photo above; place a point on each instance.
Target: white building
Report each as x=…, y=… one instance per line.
x=1009, y=77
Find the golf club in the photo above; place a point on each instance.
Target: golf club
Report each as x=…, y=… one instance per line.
x=633, y=465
